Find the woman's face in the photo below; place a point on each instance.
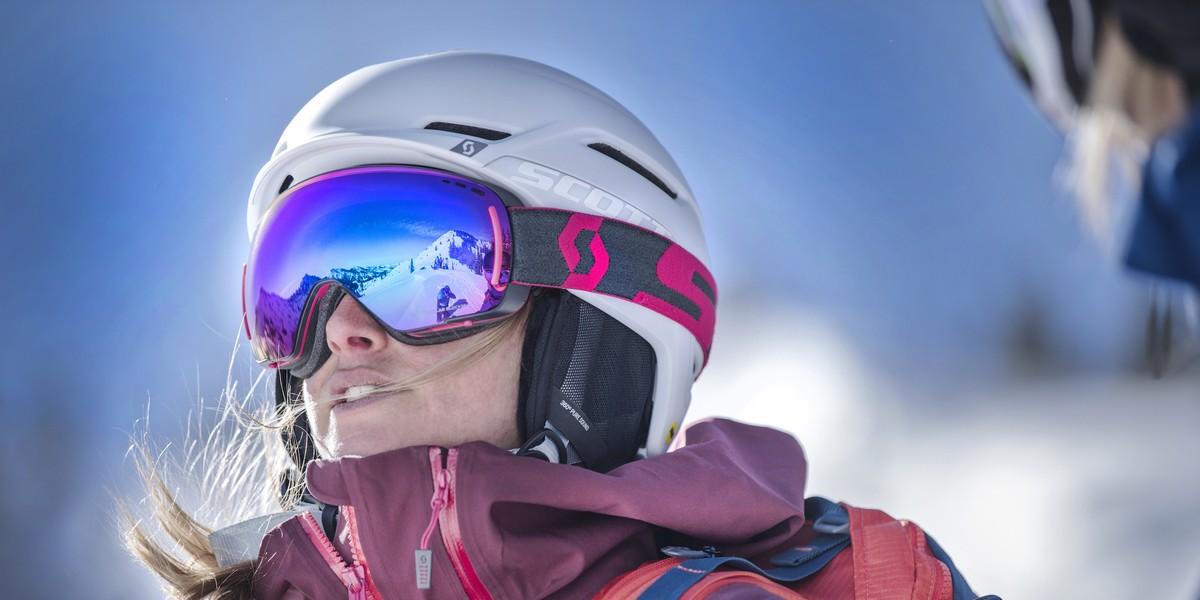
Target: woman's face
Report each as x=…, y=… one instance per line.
x=478, y=403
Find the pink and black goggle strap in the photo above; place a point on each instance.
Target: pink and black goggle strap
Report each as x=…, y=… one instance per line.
x=569, y=250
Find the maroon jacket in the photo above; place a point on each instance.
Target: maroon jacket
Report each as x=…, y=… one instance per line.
x=500, y=526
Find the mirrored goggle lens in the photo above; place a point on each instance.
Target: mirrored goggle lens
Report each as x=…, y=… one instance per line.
x=419, y=247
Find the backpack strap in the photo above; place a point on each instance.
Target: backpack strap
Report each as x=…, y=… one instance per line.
x=962, y=591
x=829, y=519
x=884, y=561
x=893, y=559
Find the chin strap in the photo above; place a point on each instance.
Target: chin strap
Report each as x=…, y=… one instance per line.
x=550, y=445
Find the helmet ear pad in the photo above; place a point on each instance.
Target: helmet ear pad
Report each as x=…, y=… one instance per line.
x=587, y=375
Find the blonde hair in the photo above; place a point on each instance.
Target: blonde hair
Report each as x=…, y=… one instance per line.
x=240, y=456
x=1130, y=102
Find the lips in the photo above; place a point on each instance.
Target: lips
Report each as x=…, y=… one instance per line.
x=338, y=406
x=344, y=380
x=345, y=389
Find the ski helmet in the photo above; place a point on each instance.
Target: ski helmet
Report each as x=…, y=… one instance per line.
x=551, y=141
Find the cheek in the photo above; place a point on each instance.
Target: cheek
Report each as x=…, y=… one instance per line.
x=492, y=387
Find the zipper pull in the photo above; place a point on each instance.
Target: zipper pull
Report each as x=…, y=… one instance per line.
x=424, y=559
x=424, y=556
x=358, y=589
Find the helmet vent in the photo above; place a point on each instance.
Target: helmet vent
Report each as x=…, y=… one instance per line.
x=624, y=159
x=471, y=130
x=287, y=182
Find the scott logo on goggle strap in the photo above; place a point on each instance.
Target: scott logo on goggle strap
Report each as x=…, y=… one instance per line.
x=544, y=178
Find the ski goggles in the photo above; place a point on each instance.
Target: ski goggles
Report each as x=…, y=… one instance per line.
x=433, y=256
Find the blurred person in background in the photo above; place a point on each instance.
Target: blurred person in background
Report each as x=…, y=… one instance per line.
x=1122, y=79
x=529, y=444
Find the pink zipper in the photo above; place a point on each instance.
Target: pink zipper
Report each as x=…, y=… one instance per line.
x=354, y=577
x=446, y=515
x=356, y=552
x=441, y=491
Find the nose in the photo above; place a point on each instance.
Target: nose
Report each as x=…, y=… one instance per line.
x=350, y=330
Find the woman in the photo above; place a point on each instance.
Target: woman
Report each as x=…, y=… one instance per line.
x=515, y=447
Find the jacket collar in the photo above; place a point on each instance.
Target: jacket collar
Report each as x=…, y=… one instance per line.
x=534, y=529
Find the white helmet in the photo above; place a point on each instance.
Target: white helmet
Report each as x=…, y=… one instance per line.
x=549, y=139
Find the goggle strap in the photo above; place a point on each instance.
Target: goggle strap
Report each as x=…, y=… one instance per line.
x=575, y=251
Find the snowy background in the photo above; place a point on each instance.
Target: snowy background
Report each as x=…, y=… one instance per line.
x=901, y=286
